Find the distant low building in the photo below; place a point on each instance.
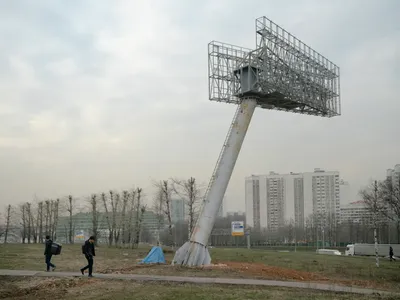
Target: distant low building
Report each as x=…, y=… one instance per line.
x=177, y=210
x=355, y=212
x=82, y=226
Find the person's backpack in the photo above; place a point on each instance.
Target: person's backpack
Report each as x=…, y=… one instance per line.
x=83, y=249
x=55, y=248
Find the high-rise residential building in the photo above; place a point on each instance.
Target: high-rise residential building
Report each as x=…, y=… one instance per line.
x=346, y=195
x=394, y=174
x=275, y=196
x=177, y=210
x=274, y=200
x=298, y=195
x=325, y=195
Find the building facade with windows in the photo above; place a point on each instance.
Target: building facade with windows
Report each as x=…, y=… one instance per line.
x=276, y=200
x=394, y=175
x=355, y=212
x=177, y=210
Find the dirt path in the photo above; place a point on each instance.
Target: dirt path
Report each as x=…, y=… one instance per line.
x=200, y=280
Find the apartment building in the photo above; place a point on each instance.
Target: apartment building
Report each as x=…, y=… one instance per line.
x=394, y=174
x=274, y=200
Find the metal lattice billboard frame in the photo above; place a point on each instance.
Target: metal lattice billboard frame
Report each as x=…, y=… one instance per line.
x=283, y=73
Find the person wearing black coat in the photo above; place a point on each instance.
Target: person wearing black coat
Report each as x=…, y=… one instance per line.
x=89, y=252
x=48, y=254
x=391, y=253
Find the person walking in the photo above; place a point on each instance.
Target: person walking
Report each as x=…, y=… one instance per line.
x=89, y=252
x=48, y=254
x=391, y=253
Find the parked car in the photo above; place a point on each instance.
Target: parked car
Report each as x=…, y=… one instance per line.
x=328, y=251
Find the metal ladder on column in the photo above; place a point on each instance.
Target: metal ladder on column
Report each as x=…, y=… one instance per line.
x=212, y=179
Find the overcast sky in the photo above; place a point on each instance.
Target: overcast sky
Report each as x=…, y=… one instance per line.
x=98, y=95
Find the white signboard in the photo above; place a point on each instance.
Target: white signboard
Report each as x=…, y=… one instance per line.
x=238, y=228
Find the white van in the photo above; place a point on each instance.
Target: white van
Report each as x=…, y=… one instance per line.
x=328, y=251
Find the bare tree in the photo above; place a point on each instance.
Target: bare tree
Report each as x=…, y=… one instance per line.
x=95, y=214
x=23, y=222
x=164, y=194
x=70, y=209
x=138, y=216
x=158, y=207
x=8, y=220
x=39, y=221
x=110, y=231
x=375, y=204
x=125, y=199
x=56, y=208
x=131, y=217
x=188, y=190
x=51, y=219
x=33, y=223
x=143, y=209
x=111, y=218
x=28, y=221
x=115, y=205
x=46, y=225
x=391, y=195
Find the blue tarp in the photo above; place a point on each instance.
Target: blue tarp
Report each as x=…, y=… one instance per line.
x=155, y=256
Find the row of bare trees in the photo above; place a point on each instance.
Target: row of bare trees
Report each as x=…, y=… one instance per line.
x=33, y=221
x=123, y=214
x=168, y=190
x=38, y=220
x=116, y=218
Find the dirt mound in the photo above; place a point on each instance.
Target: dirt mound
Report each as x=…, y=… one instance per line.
x=272, y=272
x=215, y=266
x=57, y=287
x=128, y=269
x=251, y=270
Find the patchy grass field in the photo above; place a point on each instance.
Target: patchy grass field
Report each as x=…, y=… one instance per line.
x=234, y=263
x=82, y=288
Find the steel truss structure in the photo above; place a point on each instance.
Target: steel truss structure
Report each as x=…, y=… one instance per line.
x=282, y=72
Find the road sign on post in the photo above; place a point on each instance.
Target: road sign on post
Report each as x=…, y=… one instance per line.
x=237, y=228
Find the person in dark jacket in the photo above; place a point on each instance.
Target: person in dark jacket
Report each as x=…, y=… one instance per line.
x=89, y=253
x=391, y=253
x=48, y=254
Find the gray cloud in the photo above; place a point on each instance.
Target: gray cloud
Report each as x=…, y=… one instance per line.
x=97, y=95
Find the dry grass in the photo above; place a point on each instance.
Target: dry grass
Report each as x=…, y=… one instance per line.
x=82, y=288
x=241, y=263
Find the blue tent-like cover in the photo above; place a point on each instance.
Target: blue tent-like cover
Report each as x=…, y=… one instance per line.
x=155, y=256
